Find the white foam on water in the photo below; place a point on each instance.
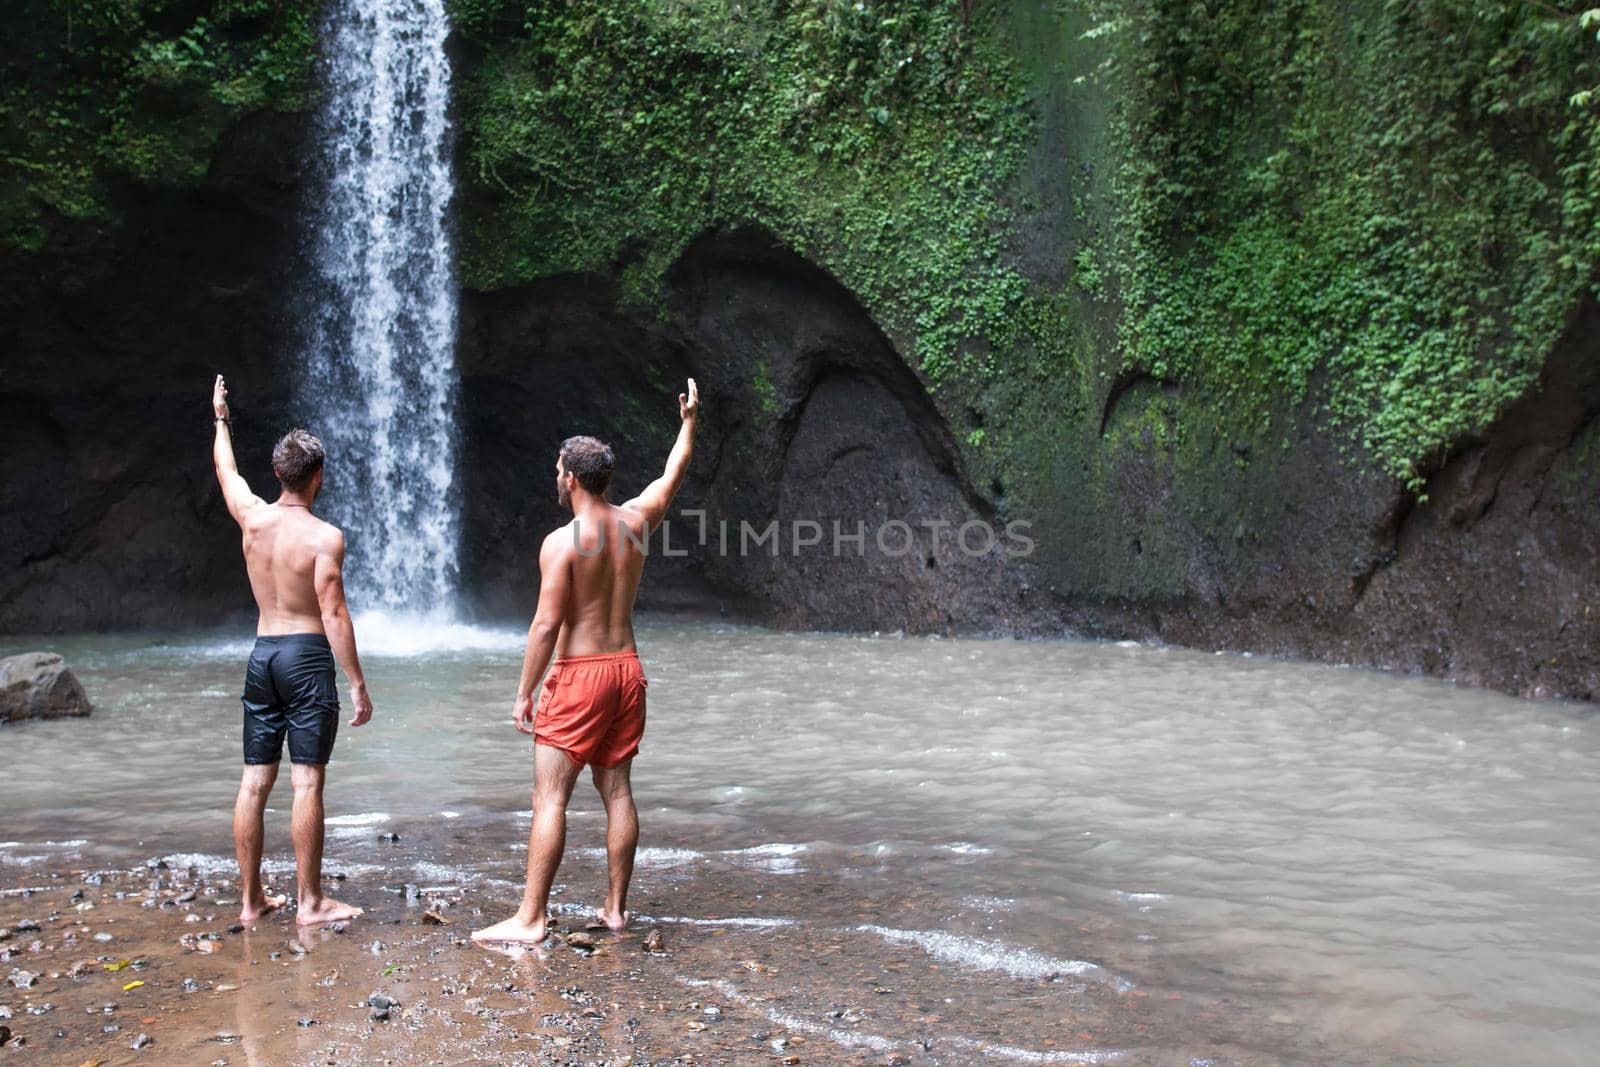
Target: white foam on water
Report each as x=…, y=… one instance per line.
x=449, y=815
x=208, y=863
x=995, y=955
x=855, y=1039
x=967, y=848
x=438, y=872
x=654, y=857
x=988, y=904
x=846, y=1038
x=738, y=920
x=778, y=857
x=370, y=818
x=777, y=848
x=399, y=634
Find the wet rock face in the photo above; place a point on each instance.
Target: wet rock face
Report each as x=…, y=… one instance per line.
x=112, y=335
x=811, y=415
x=810, y=419
x=38, y=685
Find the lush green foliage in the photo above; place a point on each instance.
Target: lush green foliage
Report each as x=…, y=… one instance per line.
x=878, y=139
x=143, y=88
x=1401, y=192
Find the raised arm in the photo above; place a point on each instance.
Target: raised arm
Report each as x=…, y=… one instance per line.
x=235, y=490
x=657, y=496
x=555, y=586
x=329, y=578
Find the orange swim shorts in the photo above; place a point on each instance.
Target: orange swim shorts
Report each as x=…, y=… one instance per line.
x=592, y=708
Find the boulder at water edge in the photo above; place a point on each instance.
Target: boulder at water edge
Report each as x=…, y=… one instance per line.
x=37, y=685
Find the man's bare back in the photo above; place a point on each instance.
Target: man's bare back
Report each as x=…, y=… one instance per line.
x=602, y=552
x=592, y=711
x=285, y=547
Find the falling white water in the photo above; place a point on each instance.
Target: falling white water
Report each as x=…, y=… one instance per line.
x=381, y=383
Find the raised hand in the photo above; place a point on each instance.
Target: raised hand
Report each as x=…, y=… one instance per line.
x=219, y=399
x=688, y=405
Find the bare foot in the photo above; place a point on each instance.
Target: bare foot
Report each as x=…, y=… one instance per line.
x=254, y=910
x=513, y=930
x=614, y=920
x=326, y=910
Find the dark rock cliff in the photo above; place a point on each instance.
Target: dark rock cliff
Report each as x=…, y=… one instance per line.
x=112, y=335
x=1150, y=513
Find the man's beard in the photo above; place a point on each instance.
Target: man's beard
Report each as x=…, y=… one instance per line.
x=563, y=496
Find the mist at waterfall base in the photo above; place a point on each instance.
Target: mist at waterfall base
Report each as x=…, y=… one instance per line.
x=1190, y=856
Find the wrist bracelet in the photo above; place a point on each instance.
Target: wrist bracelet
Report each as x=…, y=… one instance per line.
x=223, y=418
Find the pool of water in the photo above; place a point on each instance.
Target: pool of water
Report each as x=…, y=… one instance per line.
x=1341, y=866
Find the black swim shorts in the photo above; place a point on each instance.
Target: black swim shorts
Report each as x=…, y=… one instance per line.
x=289, y=688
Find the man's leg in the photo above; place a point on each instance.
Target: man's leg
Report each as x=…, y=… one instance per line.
x=307, y=830
x=248, y=809
x=554, y=774
x=622, y=838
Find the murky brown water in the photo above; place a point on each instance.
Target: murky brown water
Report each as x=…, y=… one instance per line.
x=946, y=851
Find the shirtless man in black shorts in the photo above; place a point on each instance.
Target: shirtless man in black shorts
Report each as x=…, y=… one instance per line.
x=295, y=561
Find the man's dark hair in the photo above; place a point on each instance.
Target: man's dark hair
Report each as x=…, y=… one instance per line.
x=296, y=459
x=590, y=461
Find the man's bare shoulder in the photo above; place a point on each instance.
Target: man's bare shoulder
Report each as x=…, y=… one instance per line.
x=326, y=536
x=560, y=541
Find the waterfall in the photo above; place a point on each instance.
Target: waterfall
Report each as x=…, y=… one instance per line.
x=380, y=381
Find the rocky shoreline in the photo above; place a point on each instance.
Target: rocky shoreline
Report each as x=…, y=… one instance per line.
x=149, y=964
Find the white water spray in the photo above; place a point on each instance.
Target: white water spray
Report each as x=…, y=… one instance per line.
x=380, y=387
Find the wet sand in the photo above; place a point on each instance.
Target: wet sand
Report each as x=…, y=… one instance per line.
x=149, y=965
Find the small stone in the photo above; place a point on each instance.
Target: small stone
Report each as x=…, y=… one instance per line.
x=226, y=987
x=308, y=1021
x=433, y=918
x=338, y=928
x=655, y=941
x=297, y=948
x=413, y=895
x=110, y=1028
x=190, y=985
x=206, y=947
x=143, y=1041
x=185, y=897
x=236, y=928
x=26, y=926
x=24, y=979
x=103, y=936
x=5, y=1034
x=5, y=933
x=41, y=1009
x=580, y=941
x=389, y=838
x=226, y=1037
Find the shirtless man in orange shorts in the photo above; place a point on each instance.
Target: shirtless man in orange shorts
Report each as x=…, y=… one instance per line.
x=591, y=708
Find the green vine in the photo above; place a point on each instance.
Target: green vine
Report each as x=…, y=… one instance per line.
x=877, y=139
x=94, y=89
x=1402, y=194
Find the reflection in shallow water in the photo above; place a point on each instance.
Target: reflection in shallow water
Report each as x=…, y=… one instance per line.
x=1322, y=865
